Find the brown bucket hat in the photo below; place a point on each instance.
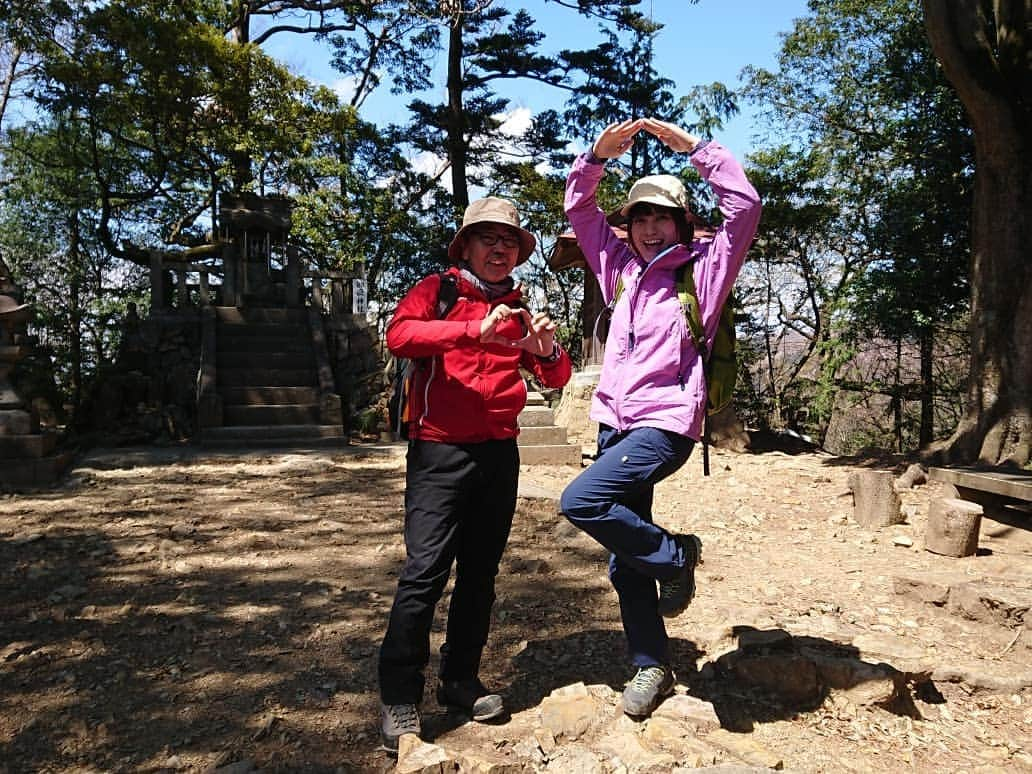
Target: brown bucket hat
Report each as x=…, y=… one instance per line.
x=491, y=209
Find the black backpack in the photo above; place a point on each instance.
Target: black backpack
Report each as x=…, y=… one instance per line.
x=405, y=368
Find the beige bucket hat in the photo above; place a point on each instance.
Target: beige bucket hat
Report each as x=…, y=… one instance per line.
x=491, y=209
x=662, y=190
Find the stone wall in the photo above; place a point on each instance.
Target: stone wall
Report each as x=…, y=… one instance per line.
x=150, y=393
x=358, y=365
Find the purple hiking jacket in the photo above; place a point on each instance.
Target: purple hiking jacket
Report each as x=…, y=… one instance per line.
x=652, y=375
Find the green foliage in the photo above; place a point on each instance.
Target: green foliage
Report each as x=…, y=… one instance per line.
x=866, y=207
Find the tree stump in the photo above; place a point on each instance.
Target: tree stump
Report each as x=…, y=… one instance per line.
x=953, y=527
x=875, y=502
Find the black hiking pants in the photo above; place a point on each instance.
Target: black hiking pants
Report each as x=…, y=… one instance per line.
x=459, y=504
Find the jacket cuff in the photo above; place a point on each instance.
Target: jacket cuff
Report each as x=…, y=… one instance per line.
x=557, y=352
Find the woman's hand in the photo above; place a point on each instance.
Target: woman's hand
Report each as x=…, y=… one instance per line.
x=616, y=139
x=671, y=135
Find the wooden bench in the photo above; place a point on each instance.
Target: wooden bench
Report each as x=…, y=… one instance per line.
x=990, y=488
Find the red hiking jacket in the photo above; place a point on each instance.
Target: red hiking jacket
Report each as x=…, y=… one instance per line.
x=464, y=391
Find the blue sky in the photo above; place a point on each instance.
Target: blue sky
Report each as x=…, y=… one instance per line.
x=699, y=44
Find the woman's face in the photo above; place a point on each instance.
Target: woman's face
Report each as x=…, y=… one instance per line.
x=492, y=249
x=652, y=232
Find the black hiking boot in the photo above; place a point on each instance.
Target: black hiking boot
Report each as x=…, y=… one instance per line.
x=471, y=698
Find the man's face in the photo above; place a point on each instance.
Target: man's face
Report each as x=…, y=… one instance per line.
x=492, y=249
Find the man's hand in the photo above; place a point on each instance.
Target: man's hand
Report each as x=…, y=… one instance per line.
x=540, y=338
x=519, y=328
x=504, y=325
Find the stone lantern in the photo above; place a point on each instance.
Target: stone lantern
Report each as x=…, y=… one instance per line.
x=26, y=458
x=15, y=418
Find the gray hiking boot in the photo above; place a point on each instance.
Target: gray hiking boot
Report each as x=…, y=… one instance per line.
x=646, y=690
x=676, y=594
x=396, y=720
x=471, y=698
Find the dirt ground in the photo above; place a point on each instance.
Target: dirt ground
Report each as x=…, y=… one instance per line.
x=182, y=609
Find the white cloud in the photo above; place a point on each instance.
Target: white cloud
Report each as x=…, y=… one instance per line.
x=345, y=88
x=515, y=122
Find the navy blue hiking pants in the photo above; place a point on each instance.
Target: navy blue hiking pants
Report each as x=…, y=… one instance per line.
x=612, y=501
x=459, y=504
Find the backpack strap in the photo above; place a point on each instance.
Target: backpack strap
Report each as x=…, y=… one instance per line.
x=693, y=316
x=447, y=294
x=690, y=305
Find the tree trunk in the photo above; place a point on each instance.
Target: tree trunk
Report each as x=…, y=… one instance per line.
x=927, y=428
x=456, y=140
x=240, y=158
x=991, y=82
x=75, y=315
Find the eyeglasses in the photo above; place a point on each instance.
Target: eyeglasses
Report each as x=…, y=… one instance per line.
x=491, y=238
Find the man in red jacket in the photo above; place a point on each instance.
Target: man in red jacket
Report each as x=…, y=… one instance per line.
x=462, y=463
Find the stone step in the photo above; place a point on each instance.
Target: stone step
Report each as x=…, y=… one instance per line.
x=275, y=435
x=542, y=436
x=295, y=414
x=236, y=315
x=535, y=398
x=232, y=343
x=268, y=396
x=32, y=446
x=258, y=360
x=266, y=377
x=263, y=330
x=536, y=416
x=553, y=454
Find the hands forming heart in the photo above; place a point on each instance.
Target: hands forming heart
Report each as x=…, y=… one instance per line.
x=519, y=328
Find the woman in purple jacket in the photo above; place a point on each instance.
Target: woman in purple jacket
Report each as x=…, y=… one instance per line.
x=651, y=395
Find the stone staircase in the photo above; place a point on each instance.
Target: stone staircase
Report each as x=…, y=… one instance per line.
x=541, y=441
x=268, y=380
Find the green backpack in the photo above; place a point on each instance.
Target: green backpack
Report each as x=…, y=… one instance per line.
x=719, y=363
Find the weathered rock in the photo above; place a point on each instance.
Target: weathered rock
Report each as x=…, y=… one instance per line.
x=569, y=712
x=902, y=653
x=930, y=590
x=574, y=759
x=418, y=757
x=789, y=675
x=485, y=762
x=994, y=604
x=629, y=749
x=695, y=714
x=745, y=748
x=545, y=740
x=861, y=683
